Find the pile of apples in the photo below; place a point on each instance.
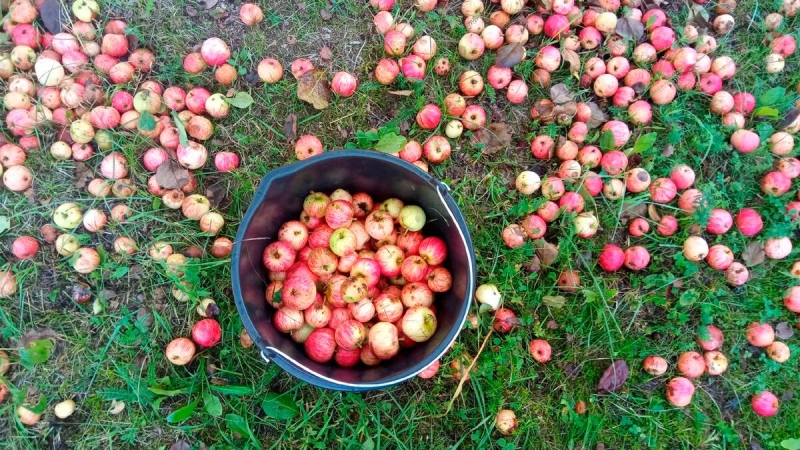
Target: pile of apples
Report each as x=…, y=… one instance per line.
x=354, y=279
x=659, y=68
x=77, y=82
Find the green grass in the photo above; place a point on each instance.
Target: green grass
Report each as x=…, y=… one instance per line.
x=116, y=352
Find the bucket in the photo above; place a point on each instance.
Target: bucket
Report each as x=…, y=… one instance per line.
x=279, y=198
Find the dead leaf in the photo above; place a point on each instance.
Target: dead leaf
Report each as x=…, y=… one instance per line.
x=216, y=194
x=784, y=331
x=495, y=136
x=37, y=334
x=698, y=16
x=534, y=266
x=313, y=88
x=753, y=254
x=631, y=210
x=552, y=325
x=630, y=29
x=598, y=118
x=218, y=13
x=171, y=175
x=668, y=151
x=252, y=78
x=191, y=11
x=790, y=117
x=53, y=15
x=402, y=93
x=510, y=55
x=30, y=195
x=133, y=41
x=544, y=110
x=652, y=213
x=325, y=53
x=325, y=14
x=291, y=39
x=614, y=377
x=559, y=94
x=180, y=445
x=116, y=407
x=290, y=127
x=208, y=4
x=565, y=111
x=572, y=58
x=245, y=339
x=546, y=252
x=83, y=175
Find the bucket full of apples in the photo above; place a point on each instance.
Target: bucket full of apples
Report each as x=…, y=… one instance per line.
x=353, y=270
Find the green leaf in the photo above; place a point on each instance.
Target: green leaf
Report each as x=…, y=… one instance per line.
x=241, y=100
x=391, y=143
x=212, y=404
x=279, y=406
x=167, y=392
x=643, y=143
x=791, y=444
x=607, y=141
x=37, y=352
x=765, y=111
x=232, y=390
x=238, y=424
x=554, y=301
x=5, y=224
x=183, y=413
x=120, y=272
x=147, y=122
x=182, y=138
x=772, y=96
x=40, y=407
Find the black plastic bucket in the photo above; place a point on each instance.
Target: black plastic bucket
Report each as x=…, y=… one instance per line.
x=280, y=198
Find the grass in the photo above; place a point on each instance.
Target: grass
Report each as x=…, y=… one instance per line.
x=116, y=351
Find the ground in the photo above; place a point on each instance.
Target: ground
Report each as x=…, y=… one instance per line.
x=116, y=352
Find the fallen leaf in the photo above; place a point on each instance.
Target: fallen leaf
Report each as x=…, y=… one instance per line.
x=216, y=194
x=313, y=88
x=325, y=14
x=652, y=213
x=668, y=151
x=630, y=29
x=133, y=41
x=510, y=55
x=552, y=325
x=290, y=127
x=544, y=110
x=698, y=16
x=755, y=446
x=790, y=117
x=53, y=15
x=784, y=331
x=565, y=111
x=559, y=94
x=325, y=53
x=534, y=266
x=753, y=254
x=180, y=445
x=546, y=252
x=572, y=370
x=631, y=210
x=252, y=78
x=30, y=195
x=83, y=175
x=598, y=118
x=402, y=93
x=572, y=58
x=191, y=11
x=495, y=136
x=291, y=39
x=36, y=334
x=554, y=301
x=245, y=339
x=171, y=175
x=614, y=377
x=208, y=4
